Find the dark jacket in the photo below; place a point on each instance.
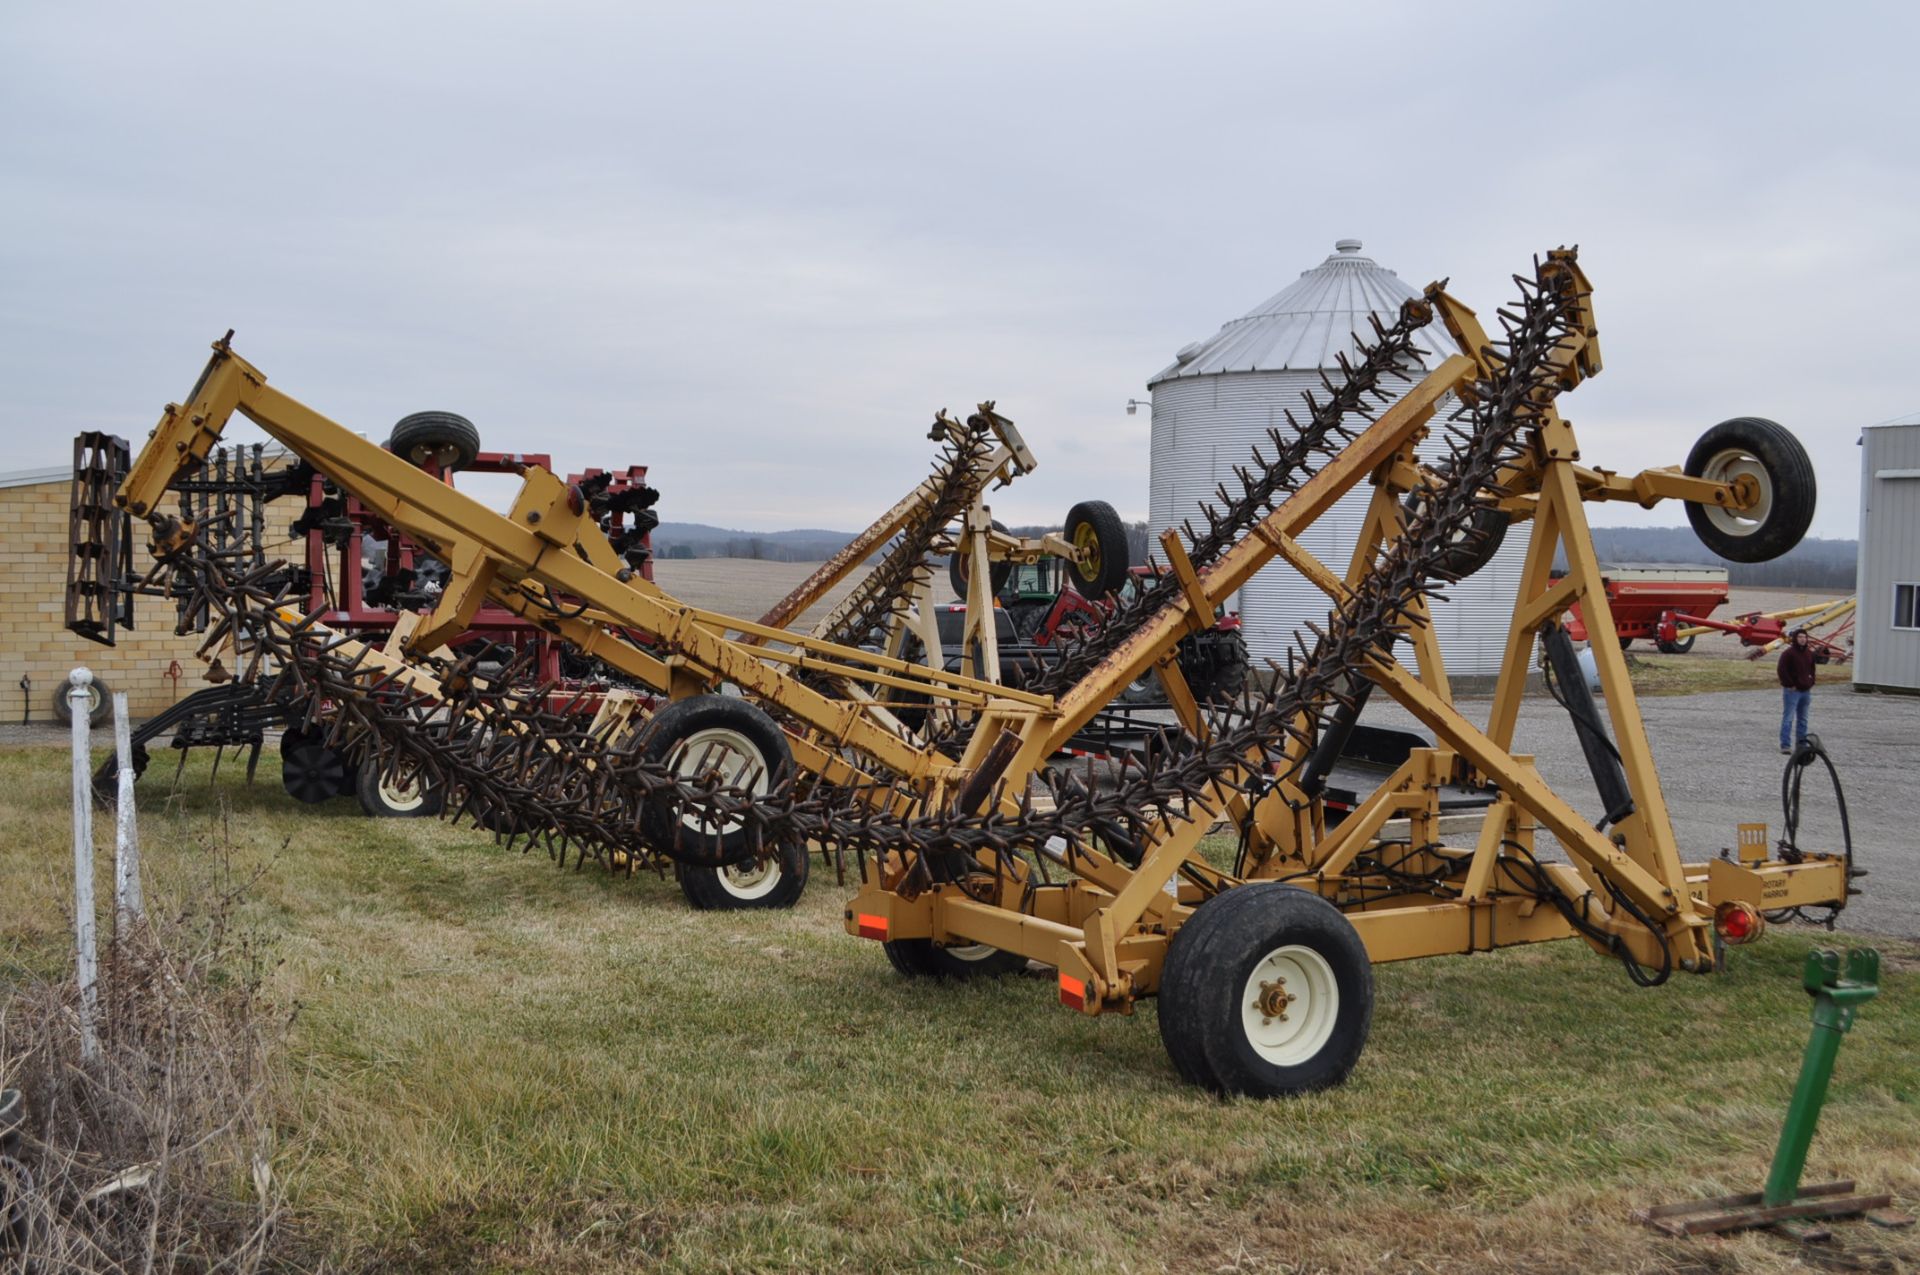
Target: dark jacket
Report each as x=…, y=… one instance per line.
x=1796, y=667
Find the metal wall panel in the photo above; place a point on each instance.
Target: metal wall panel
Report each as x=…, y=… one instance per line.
x=1889, y=555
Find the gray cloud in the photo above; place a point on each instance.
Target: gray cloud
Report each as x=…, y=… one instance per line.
x=756, y=246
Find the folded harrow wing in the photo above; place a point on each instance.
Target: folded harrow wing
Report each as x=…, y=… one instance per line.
x=973, y=856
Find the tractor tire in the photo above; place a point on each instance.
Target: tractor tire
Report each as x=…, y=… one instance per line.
x=1679, y=646
x=959, y=565
x=704, y=734
x=1215, y=665
x=445, y=439
x=923, y=958
x=1094, y=528
x=1473, y=549
x=1144, y=689
x=775, y=882
x=310, y=771
x=384, y=795
x=99, y=702
x=1223, y=1018
x=1749, y=445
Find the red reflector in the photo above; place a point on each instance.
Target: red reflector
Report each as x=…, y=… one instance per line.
x=1737, y=922
x=1073, y=992
x=872, y=927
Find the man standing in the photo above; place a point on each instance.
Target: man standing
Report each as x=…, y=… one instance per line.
x=1796, y=689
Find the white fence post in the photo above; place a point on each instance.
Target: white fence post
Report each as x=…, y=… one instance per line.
x=128, y=906
x=80, y=706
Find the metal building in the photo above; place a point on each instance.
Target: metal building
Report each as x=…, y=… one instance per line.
x=1220, y=396
x=1886, y=653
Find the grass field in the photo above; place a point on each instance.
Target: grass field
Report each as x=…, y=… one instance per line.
x=497, y=1065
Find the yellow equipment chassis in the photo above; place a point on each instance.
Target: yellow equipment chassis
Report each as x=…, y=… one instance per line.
x=1106, y=925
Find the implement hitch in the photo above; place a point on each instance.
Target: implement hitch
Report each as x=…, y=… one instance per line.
x=1836, y=997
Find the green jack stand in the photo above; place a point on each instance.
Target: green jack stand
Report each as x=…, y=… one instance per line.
x=1785, y=1202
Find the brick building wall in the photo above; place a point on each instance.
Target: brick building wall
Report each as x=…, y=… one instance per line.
x=34, y=641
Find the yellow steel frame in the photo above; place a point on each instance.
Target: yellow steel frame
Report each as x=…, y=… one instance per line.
x=1106, y=931
x=1106, y=927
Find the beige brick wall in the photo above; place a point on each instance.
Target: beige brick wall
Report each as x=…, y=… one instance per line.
x=33, y=638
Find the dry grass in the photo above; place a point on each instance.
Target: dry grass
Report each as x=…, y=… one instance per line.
x=506, y=1067
x=156, y=1153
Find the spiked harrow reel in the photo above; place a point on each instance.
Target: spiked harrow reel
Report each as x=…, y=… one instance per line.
x=973, y=855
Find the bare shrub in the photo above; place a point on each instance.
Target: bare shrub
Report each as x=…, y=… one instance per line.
x=159, y=1154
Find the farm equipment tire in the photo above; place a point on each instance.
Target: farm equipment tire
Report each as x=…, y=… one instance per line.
x=1144, y=689
x=704, y=734
x=1095, y=529
x=385, y=795
x=923, y=958
x=310, y=771
x=1266, y=991
x=1748, y=446
x=1466, y=556
x=99, y=702
x=774, y=882
x=444, y=438
x=1625, y=642
x=1679, y=646
x=959, y=564
x=1215, y=665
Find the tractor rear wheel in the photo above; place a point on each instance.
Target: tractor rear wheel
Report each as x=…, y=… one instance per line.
x=923, y=958
x=1095, y=529
x=1266, y=991
x=1215, y=664
x=1769, y=455
x=445, y=439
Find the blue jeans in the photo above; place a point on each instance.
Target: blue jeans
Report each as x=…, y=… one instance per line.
x=1793, y=715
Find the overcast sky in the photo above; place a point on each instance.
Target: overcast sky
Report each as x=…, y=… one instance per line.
x=756, y=246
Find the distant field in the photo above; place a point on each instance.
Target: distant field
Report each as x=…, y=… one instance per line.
x=746, y=587
x=496, y=1065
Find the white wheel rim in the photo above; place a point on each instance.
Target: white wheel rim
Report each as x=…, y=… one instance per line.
x=719, y=750
x=1727, y=467
x=971, y=952
x=402, y=795
x=750, y=880
x=1289, y=1005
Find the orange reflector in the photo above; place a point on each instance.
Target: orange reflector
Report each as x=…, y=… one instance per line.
x=872, y=927
x=1073, y=992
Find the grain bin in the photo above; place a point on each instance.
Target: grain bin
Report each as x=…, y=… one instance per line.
x=1220, y=396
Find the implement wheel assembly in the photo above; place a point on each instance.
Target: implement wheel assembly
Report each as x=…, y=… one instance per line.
x=923, y=958
x=1095, y=529
x=1267, y=991
x=775, y=882
x=310, y=771
x=737, y=743
x=1766, y=454
x=387, y=794
x=445, y=439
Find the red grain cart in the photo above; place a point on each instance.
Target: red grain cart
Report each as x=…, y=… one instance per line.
x=1640, y=593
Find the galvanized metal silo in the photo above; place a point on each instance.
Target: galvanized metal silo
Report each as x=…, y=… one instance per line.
x=1219, y=397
